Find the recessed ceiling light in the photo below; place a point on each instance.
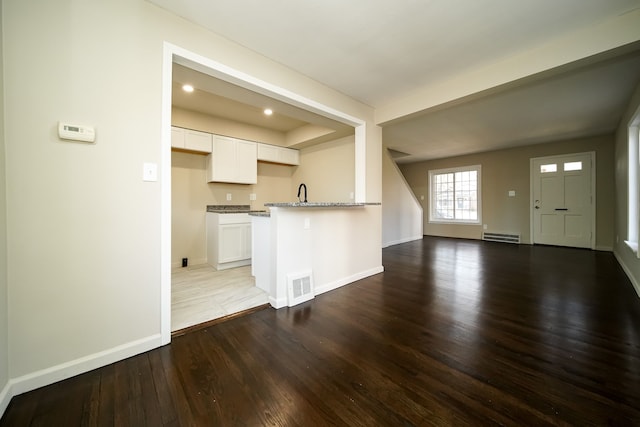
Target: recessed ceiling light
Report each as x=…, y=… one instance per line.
x=268, y=111
x=187, y=88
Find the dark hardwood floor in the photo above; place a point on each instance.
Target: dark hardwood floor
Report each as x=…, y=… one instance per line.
x=454, y=332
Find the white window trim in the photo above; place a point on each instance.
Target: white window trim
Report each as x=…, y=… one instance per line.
x=633, y=197
x=433, y=172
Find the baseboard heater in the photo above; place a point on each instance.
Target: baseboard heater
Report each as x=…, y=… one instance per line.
x=501, y=237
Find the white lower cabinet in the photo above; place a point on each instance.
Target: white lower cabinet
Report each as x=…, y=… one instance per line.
x=234, y=242
x=228, y=240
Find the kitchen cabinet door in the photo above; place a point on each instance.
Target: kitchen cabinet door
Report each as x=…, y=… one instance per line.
x=246, y=162
x=221, y=165
x=197, y=141
x=275, y=154
x=177, y=137
x=232, y=160
x=228, y=240
x=191, y=140
x=267, y=153
x=288, y=156
x=232, y=242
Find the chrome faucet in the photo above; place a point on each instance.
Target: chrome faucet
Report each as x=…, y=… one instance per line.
x=305, y=193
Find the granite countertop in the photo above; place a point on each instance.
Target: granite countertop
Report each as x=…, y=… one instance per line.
x=310, y=205
x=226, y=209
x=318, y=204
x=264, y=214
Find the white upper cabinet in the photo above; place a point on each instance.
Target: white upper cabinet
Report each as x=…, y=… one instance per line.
x=267, y=153
x=275, y=154
x=177, y=137
x=191, y=140
x=232, y=160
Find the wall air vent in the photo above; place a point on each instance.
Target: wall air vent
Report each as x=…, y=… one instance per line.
x=300, y=287
x=501, y=237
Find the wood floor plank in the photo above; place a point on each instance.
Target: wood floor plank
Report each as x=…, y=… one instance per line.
x=454, y=332
x=106, y=397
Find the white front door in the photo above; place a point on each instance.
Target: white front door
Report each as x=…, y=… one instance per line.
x=563, y=203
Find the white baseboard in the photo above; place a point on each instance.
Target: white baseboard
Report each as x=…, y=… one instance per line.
x=84, y=364
x=346, y=280
x=604, y=248
x=627, y=271
x=277, y=303
x=282, y=302
x=399, y=241
x=5, y=398
x=195, y=261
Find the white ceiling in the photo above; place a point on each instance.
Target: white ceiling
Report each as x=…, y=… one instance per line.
x=378, y=51
x=221, y=99
x=583, y=102
x=215, y=97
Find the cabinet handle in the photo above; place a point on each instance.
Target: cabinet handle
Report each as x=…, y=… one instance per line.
x=562, y=209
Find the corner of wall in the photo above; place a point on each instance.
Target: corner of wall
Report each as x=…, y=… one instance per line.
x=401, y=211
x=628, y=272
x=627, y=260
x=5, y=388
x=6, y=394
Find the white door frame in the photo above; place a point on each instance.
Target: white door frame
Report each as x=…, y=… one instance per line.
x=173, y=53
x=592, y=155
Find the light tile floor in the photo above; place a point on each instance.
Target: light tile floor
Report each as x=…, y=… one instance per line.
x=199, y=293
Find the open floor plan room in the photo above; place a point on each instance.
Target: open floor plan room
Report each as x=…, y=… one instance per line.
x=454, y=332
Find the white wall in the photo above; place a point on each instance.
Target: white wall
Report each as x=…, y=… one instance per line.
x=339, y=246
x=327, y=171
x=83, y=228
x=401, y=211
x=508, y=169
x=4, y=307
x=625, y=256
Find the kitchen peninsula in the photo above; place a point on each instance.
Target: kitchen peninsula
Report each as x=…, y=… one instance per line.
x=320, y=246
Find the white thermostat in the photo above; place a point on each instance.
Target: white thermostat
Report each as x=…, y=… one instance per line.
x=76, y=132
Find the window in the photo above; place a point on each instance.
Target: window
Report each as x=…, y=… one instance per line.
x=550, y=168
x=572, y=166
x=455, y=195
x=567, y=167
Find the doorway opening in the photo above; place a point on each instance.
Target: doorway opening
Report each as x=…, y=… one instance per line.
x=174, y=54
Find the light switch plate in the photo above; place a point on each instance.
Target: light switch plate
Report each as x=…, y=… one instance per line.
x=512, y=193
x=228, y=197
x=150, y=172
x=252, y=196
